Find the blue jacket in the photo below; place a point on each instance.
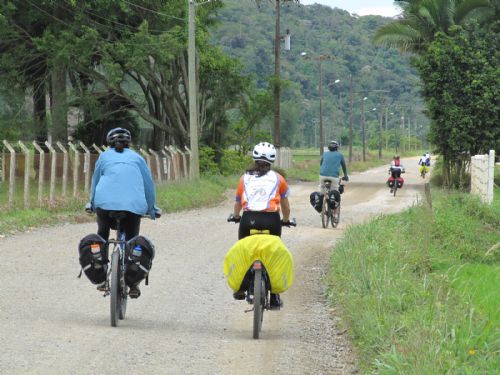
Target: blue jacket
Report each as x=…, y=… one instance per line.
x=330, y=164
x=123, y=182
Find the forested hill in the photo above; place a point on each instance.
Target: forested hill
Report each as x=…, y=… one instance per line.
x=246, y=31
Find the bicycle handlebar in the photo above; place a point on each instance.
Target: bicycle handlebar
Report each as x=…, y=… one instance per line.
x=289, y=223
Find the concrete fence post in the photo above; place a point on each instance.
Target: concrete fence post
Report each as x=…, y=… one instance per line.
x=166, y=165
x=65, y=168
x=185, y=157
x=12, y=172
x=3, y=166
x=175, y=161
x=27, y=167
x=86, y=167
x=41, y=171
x=158, y=166
x=76, y=165
x=53, y=161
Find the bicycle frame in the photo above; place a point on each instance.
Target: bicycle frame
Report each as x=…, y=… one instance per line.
x=329, y=214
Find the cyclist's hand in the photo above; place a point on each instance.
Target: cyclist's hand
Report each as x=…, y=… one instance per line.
x=345, y=178
x=88, y=208
x=235, y=219
x=289, y=223
x=158, y=212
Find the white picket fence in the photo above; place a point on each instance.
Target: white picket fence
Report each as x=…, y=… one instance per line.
x=482, y=172
x=71, y=166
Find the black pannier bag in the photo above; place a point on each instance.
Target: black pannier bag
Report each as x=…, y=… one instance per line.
x=334, y=199
x=93, y=251
x=138, y=267
x=316, y=199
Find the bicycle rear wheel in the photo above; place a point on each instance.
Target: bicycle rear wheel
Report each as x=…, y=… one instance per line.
x=395, y=188
x=325, y=215
x=336, y=216
x=115, y=289
x=259, y=296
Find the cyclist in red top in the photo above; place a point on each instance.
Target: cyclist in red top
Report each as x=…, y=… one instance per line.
x=261, y=193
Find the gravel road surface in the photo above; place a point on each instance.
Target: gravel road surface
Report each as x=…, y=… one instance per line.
x=186, y=321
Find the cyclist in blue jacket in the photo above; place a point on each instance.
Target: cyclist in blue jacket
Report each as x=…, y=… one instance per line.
x=122, y=182
x=330, y=164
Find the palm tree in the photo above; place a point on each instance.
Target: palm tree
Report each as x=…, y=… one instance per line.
x=422, y=19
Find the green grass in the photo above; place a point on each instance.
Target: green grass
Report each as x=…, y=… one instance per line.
x=170, y=197
x=419, y=293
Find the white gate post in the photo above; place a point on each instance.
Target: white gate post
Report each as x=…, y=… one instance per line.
x=41, y=171
x=491, y=177
x=27, y=161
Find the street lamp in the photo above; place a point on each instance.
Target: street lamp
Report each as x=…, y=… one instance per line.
x=320, y=60
x=364, y=69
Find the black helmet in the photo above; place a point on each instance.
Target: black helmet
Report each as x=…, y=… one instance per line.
x=118, y=135
x=333, y=145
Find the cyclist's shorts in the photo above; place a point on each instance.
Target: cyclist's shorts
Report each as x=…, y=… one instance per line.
x=273, y=253
x=424, y=167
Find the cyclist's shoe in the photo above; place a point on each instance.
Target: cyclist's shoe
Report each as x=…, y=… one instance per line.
x=134, y=292
x=392, y=190
x=275, y=302
x=102, y=287
x=239, y=295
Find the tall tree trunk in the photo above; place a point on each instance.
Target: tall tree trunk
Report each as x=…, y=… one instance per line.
x=39, y=111
x=58, y=104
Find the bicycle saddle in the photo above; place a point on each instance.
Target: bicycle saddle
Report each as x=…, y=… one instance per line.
x=118, y=214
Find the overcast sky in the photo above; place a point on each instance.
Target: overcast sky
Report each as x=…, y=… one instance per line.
x=360, y=7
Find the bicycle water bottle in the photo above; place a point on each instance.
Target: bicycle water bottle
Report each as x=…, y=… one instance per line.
x=96, y=254
x=137, y=252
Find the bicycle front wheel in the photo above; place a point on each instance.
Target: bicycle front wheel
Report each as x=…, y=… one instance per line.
x=259, y=296
x=115, y=289
x=325, y=215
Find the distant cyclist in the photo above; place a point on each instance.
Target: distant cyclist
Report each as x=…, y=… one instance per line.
x=122, y=182
x=330, y=165
x=395, y=171
x=262, y=193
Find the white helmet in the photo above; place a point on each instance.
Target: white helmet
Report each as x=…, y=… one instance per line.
x=264, y=151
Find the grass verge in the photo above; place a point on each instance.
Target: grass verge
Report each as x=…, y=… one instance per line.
x=170, y=197
x=420, y=290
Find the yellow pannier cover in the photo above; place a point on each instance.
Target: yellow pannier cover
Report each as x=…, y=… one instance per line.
x=270, y=250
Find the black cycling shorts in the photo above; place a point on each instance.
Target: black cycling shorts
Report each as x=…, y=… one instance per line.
x=259, y=220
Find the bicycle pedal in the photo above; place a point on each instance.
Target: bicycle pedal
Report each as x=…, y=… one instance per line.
x=250, y=310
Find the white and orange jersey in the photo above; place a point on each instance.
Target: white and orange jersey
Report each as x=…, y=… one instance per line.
x=262, y=193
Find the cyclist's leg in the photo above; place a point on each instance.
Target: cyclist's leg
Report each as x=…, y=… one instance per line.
x=244, y=228
x=270, y=221
x=103, y=223
x=131, y=225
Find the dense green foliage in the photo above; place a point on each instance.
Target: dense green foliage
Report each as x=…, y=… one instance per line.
x=419, y=289
x=461, y=85
x=457, y=43
x=246, y=31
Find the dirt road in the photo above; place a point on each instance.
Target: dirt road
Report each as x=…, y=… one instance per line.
x=186, y=321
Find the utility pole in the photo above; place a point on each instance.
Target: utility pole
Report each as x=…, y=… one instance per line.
x=380, y=120
x=363, y=126
x=350, y=119
x=194, y=166
x=277, y=83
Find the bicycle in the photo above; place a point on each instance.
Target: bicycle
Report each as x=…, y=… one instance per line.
x=423, y=170
x=330, y=211
x=258, y=285
x=395, y=187
x=115, y=285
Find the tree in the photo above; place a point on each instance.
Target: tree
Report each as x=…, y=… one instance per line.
x=422, y=19
x=461, y=86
